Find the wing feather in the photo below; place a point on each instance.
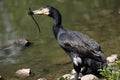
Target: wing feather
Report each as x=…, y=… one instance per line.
x=81, y=44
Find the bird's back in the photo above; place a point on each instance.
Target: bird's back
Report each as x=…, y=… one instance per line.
x=81, y=44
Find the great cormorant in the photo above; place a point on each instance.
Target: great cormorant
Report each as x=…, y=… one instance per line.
x=83, y=51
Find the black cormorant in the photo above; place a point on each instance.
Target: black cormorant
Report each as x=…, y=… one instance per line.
x=83, y=51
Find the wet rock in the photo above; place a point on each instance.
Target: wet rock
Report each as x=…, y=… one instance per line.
x=42, y=79
x=89, y=77
x=22, y=42
x=23, y=72
x=112, y=58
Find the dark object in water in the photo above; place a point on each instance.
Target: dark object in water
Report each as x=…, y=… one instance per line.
x=23, y=42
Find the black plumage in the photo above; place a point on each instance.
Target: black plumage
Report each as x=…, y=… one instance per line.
x=83, y=51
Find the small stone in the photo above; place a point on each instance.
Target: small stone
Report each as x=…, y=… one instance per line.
x=112, y=58
x=23, y=72
x=89, y=77
x=42, y=79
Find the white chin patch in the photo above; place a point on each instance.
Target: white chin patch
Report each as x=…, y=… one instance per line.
x=46, y=11
x=77, y=60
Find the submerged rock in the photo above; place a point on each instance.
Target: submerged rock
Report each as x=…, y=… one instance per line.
x=23, y=72
x=22, y=42
x=112, y=58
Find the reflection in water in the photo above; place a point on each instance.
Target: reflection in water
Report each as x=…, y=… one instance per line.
x=7, y=49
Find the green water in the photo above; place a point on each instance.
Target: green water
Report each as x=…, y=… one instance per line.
x=97, y=18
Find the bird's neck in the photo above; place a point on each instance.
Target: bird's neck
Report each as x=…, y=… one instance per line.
x=57, y=24
x=56, y=30
x=57, y=18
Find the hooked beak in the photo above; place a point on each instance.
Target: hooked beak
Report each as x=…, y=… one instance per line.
x=36, y=12
x=42, y=11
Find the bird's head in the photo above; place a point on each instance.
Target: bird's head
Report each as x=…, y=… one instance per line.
x=45, y=10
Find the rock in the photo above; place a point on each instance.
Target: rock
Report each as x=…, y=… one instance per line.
x=74, y=77
x=42, y=79
x=89, y=77
x=22, y=42
x=112, y=58
x=69, y=77
x=23, y=72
